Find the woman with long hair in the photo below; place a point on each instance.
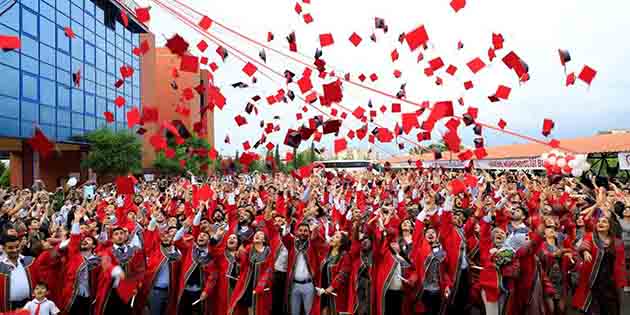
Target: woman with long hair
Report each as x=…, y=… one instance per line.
x=335, y=271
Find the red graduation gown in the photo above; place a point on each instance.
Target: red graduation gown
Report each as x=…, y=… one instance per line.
x=187, y=265
x=134, y=272
x=262, y=274
x=34, y=268
x=357, y=264
x=73, y=262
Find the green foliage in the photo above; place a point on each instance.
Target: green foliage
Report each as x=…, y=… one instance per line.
x=5, y=178
x=113, y=152
x=185, y=151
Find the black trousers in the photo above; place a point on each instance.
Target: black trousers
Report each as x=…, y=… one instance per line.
x=460, y=304
x=17, y=305
x=188, y=298
x=393, y=302
x=116, y=306
x=432, y=302
x=81, y=306
x=278, y=289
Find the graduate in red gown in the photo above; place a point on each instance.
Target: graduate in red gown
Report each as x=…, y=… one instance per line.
x=334, y=276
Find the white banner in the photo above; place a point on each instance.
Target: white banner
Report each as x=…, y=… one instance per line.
x=624, y=160
x=510, y=164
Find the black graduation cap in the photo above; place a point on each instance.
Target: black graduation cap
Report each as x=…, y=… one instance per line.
x=240, y=85
x=375, y=131
x=319, y=120
x=254, y=80
x=249, y=108
x=331, y=126
x=318, y=53
x=437, y=155
x=222, y=52
x=477, y=129
x=370, y=104
x=401, y=146
x=291, y=38
x=373, y=37
x=174, y=85
x=401, y=38
x=256, y=98
x=379, y=22
x=263, y=55
x=276, y=117
x=141, y=131
x=478, y=143
x=289, y=76
x=306, y=133
x=468, y=119
x=291, y=95
x=293, y=138
x=257, y=144
x=262, y=123
x=564, y=56
x=402, y=92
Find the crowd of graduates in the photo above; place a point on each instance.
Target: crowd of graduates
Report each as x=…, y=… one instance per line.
x=424, y=241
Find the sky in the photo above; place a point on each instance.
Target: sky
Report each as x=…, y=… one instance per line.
x=592, y=31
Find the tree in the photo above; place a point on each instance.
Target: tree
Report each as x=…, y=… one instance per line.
x=5, y=178
x=113, y=152
x=193, y=151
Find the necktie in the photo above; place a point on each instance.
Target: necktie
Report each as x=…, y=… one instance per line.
x=37, y=308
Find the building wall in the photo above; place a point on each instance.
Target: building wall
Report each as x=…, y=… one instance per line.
x=158, y=77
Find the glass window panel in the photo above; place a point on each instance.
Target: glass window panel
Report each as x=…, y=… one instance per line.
x=77, y=48
x=100, y=15
x=100, y=42
x=11, y=18
x=77, y=101
x=47, y=115
x=63, y=133
x=11, y=81
x=89, y=53
x=47, y=92
x=10, y=108
x=77, y=14
x=10, y=127
x=88, y=21
x=63, y=61
x=29, y=47
x=89, y=36
x=46, y=71
x=63, y=118
x=64, y=77
x=30, y=65
x=30, y=111
x=62, y=19
x=101, y=90
x=63, y=96
x=29, y=23
x=46, y=54
x=111, y=79
x=111, y=94
x=29, y=87
x=31, y=4
x=111, y=35
x=90, y=123
x=63, y=42
x=89, y=86
x=47, y=10
x=78, y=3
x=77, y=28
x=89, y=7
x=100, y=31
x=49, y=130
x=63, y=6
x=89, y=72
x=90, y=104
x=111, y=63
x=27, y=130
x=77, y=121
x=101, y=106
x=47, y=29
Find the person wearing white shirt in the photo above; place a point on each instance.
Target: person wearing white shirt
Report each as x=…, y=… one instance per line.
x=15, y=269
x=40, y=305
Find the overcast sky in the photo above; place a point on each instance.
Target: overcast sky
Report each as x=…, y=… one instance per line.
x=594, y=32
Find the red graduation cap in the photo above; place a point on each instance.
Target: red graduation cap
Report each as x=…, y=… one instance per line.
x=205, y=22
x=497, y=41
x=298, y=8
x=189, y=63
x=215, y=97
x=442, y=109
x=452, y=124
x=424, y=135
x=466, y=155
x=169, y=153
x=142, y=14
x=570, y=79
x=308, y=18
x=384, y=135
x=326, y=39
x=416, y=38
x=202, y=45
x=451, y=69
x=350, y=134
x=187, y=94
x=493, y=98
x=358, y=112
x=436, y=63
x=587, y=74
x=9, y=42
x=332, y=91
x=438, y=81
x=457, y=186
x=305, y=84
x=460, y=45
x=340, y=145
x=458, y=4
x=158, y=142
x=475, y=65
x=40, y=143
x=373, y=77
x=212, y=154
x=150, y=114
x=394, y=55
x=124, y=18
x=133, y=117
x=491, y=54
x=362, y=77
x=503, y=92
x=409, y=121
x=69, y=32
x=182, y=110
x=472, y=111
x=502, y=123
x=554, y=143
x=249, y=69
x=269, y=36
x=355, y=39
x=452, y=140
x=240, y=120
x=397, y=73
x=246, y=145
x=428, y=71
x=109, y=117
x=480, y=153
x=177, y=45
x=548, y=125
x=331, y=126
x=395, y=108
x=468, y=85
x=126, y=71
x=119, y=101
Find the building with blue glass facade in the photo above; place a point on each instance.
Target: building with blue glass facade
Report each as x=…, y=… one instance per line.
x=37, y=86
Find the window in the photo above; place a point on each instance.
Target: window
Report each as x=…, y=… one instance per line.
x=62, y=19
x=47, y=115
x=10, y=108
x=63, y=96
x=90, y=123
x=30, y=111
x=63, y=61
x=29, y=47
x=29, y=86
x=64, y=77
x=89, y=104
x=88, y=21
x=77, y=28
x=47, y=92
x=46, y=54
x=89, y=7
x=89, y=86
x=30, y=65
x=78, y=3
x=89, y=36
x=100, y=59
x=77, y=101
x=31, y=4
x=46, y=71
x=63, y=133
x=63, y=42
x=63, y=118
x=29, y=23
x=77, y=48
x=63, y=6
x=77, y=121
x=100, y=15
x=89, y=72
x=101, y=90
x=47, y=10
x=11, y=81
x=27, y=130
x=11, y=18
x=111, y=64
x=100, y=31
x=101, y=106
x=89, y=53
x=47, y=30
